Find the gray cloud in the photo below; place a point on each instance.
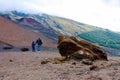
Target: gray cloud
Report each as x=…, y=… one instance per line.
x=32, y=6
x=103, y=13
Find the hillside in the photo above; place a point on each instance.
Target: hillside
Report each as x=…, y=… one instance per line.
x=104, y=38
x=13, y=34
x=47, y=24
x=52, y=26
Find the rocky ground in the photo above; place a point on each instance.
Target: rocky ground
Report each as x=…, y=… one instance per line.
x=27, y=66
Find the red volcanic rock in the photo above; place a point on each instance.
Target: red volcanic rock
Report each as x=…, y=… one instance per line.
x=15, y=34
x=12, y=33
x=31, y=22
x=71, y=47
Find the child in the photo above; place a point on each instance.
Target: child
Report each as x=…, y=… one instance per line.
x=33, y=46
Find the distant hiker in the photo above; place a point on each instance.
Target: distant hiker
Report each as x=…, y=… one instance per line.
x=33, y=46
x=39, y=43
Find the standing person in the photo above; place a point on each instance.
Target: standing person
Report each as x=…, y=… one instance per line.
x=33, y=46
x=39, y=43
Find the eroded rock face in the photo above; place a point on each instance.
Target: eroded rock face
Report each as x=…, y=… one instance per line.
x=79, y=49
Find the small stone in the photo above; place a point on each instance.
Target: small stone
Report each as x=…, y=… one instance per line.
x=93, y=67
x=10, y=60
x=87, y=62
x=44, y=62
x=74, y=63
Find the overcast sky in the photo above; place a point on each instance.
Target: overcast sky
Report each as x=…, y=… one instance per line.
x=101, y=13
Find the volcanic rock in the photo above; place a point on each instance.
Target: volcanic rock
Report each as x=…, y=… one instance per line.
x=79, y=49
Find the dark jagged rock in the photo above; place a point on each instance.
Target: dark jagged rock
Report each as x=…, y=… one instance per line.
x=79, y=49
x=7, y=48
x=24, y=49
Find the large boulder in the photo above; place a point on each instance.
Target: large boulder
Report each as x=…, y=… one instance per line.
x=79, y=49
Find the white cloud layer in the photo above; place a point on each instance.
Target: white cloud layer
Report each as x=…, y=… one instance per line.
x=102, y=13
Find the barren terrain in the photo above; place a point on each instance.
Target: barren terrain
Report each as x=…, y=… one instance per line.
x=27, y=66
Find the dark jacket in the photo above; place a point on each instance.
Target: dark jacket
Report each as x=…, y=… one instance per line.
x=39, y=41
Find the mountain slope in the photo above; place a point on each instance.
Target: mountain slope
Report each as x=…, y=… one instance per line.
x=13, y=34
x=104, y=38
x=49, y=25
x=52, y=26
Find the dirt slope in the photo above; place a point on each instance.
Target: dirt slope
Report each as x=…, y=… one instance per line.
x=15, y=35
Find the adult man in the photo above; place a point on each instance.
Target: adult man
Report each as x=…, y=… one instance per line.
x=39, y=43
